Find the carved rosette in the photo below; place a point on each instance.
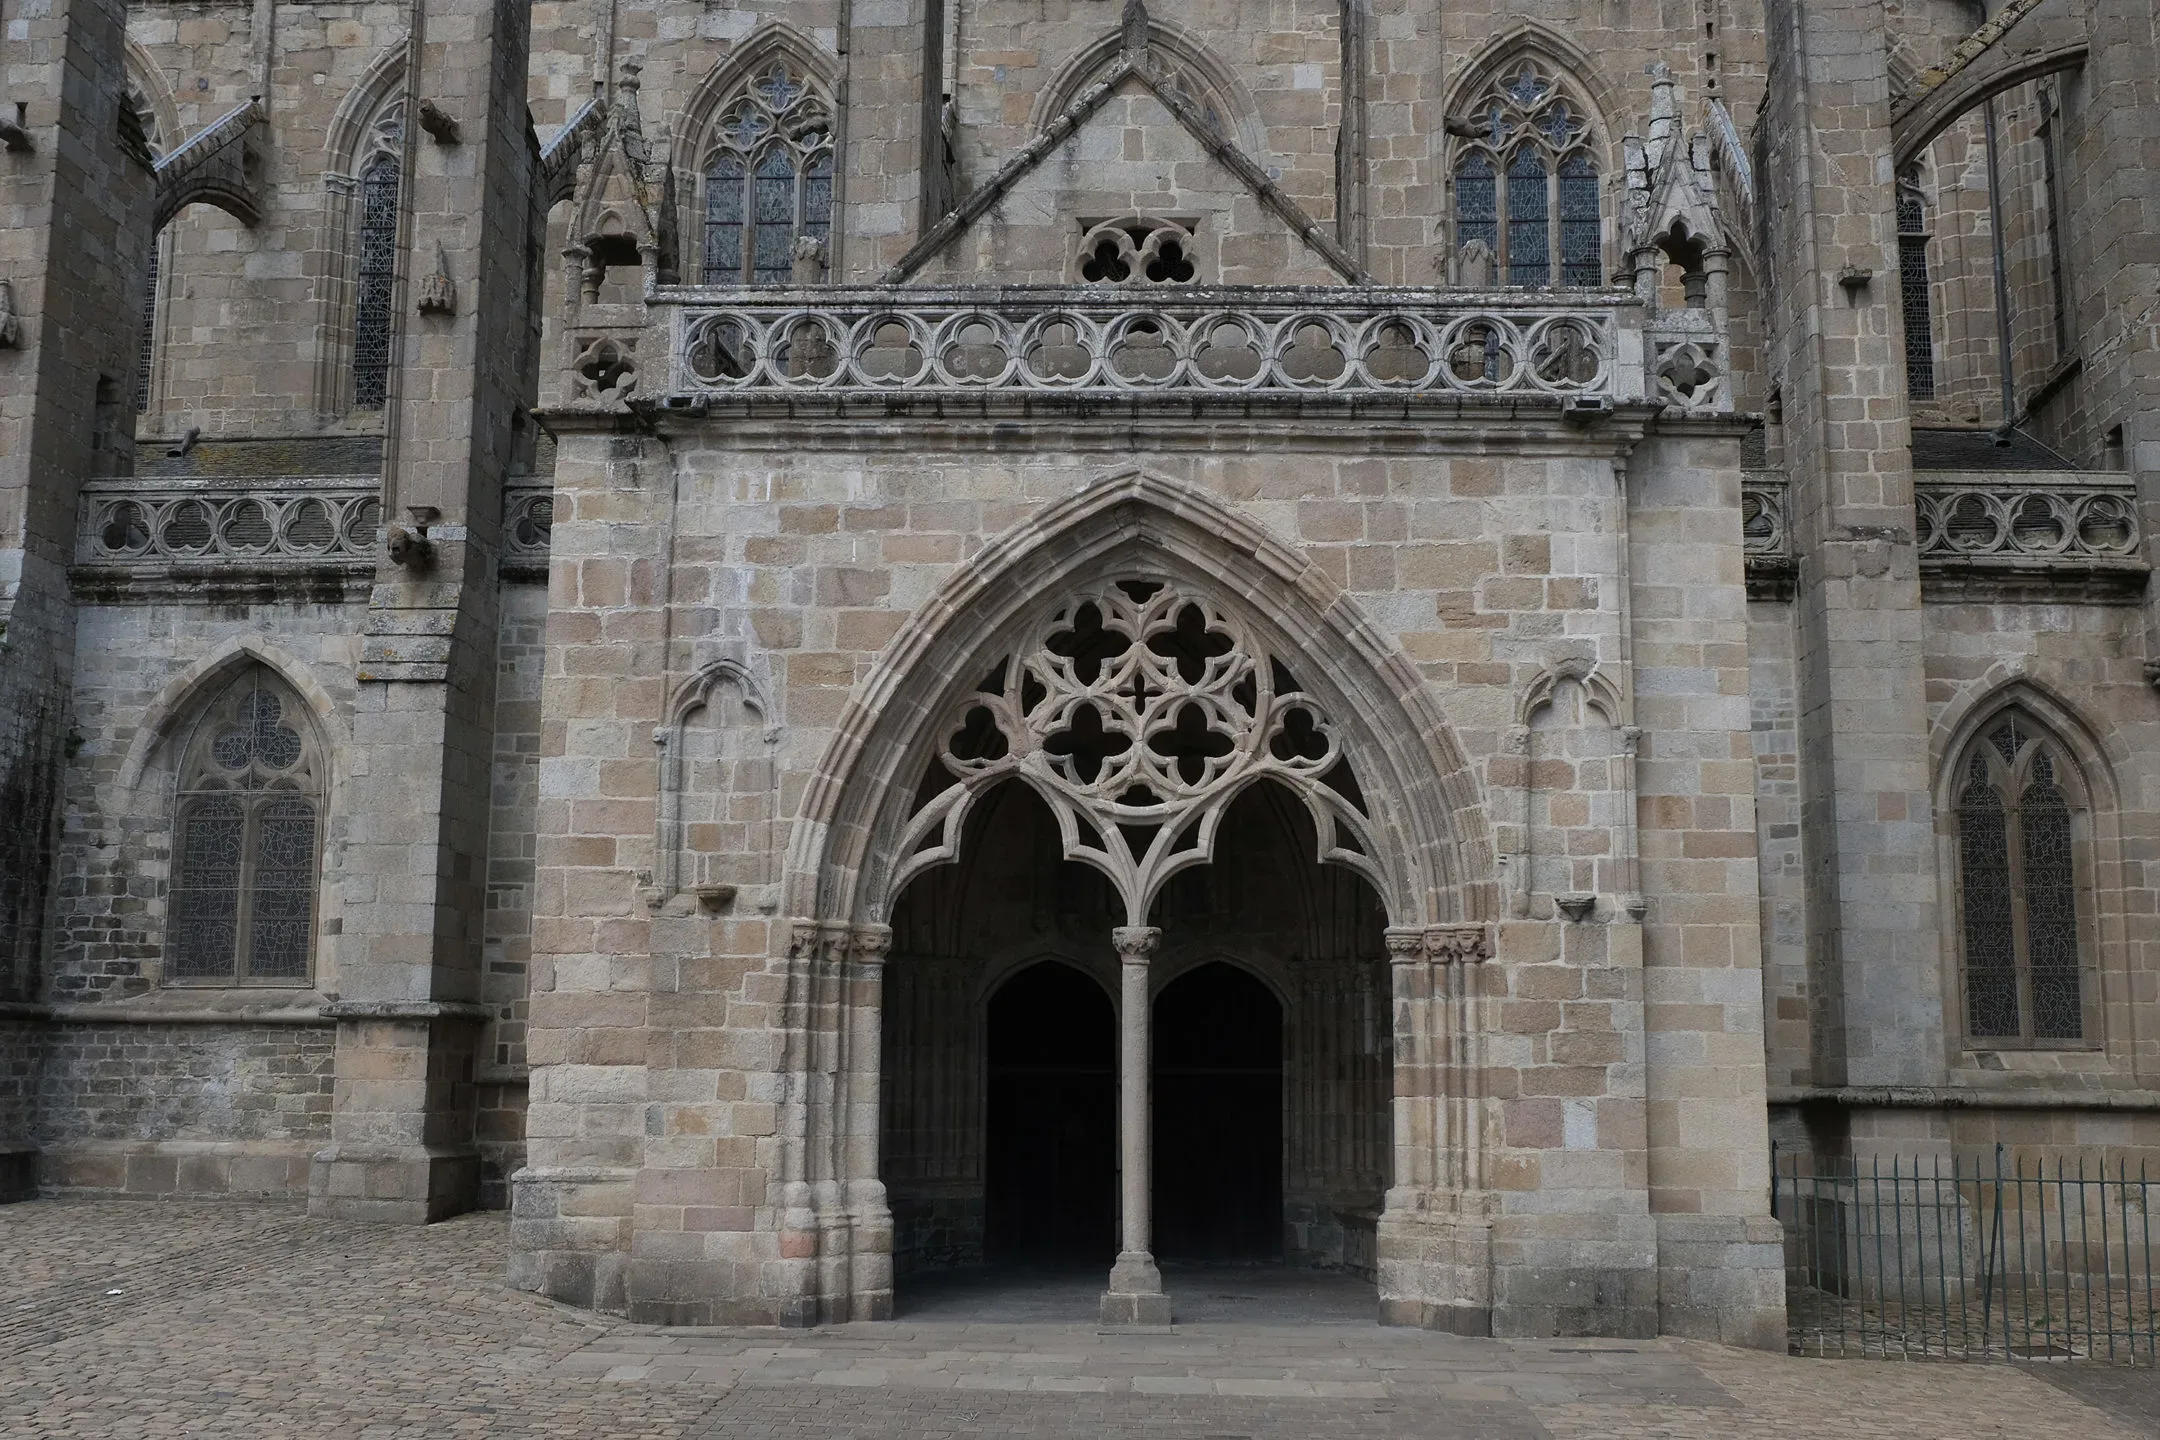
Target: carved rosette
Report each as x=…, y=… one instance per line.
x=1139, y=711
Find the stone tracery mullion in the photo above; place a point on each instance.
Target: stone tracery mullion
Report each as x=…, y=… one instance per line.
x=1124, y=658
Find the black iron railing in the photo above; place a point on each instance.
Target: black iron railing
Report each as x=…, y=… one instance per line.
x=1927, y=1257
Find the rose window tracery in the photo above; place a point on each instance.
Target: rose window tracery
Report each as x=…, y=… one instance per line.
x=1138, y=710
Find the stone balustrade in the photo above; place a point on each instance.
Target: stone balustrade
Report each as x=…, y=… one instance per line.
x=528, y=527
x=1079, y=340
x=295, y=521
x=1766, y=533
x=2029, y=529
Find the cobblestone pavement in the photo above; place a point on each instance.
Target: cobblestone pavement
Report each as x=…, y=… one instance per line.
x=130, y=1319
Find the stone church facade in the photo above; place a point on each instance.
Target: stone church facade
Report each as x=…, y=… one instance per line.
x=812, y=641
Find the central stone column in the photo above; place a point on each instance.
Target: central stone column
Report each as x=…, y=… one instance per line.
x=1135, y=1296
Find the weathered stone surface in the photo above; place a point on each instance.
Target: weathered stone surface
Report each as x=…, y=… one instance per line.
x=1599, y=673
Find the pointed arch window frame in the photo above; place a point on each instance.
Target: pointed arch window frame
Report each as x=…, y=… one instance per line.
x=249, y=811
x=1916, y=284
x=768, y=174
x=2020, y=803
x=378, y=203
x=1538, y=126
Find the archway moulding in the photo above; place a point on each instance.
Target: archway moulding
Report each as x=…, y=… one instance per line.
x=1530, y=40
x=1425, y=835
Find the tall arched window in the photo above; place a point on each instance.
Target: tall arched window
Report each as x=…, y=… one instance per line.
x=2020, y=818
x=247, y=825
x=768, y=180
x=372, y=311
x=1913, y=292
x=1526, y=187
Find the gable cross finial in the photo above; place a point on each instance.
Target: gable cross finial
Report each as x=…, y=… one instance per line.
x=1136, y=27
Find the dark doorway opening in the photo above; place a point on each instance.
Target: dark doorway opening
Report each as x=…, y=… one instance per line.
x=1050, y=1152
x=1218, y=1083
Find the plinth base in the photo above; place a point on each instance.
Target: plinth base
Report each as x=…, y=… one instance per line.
x=1135, y=1296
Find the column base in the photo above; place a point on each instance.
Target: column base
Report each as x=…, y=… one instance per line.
x=1135, y=1296
x=405, y=1185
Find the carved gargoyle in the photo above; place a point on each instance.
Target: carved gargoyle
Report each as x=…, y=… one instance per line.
x=408, y=541
x=10, y=327
x=440, y=127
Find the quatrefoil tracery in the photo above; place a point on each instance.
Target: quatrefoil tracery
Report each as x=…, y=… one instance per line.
x=1138, y=711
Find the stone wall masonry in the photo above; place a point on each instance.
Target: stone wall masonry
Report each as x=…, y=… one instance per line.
x=143, y=674
x=507, y=939
x=2079, y=670
x=1864, y=764
x=1783, y=876
x=69, y=208
x=404, y=1141
x=274, y=282
x=1720, y=1255
x=156, y=1082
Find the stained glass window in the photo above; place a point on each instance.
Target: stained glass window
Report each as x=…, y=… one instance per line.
x=378, y=278
x=1477, y=203
x=768, y=181
x=2018, y=886
x=1916, y=298
x=1529, y=233
x=1579, y=238
x=1527, y=198
x=247, y=823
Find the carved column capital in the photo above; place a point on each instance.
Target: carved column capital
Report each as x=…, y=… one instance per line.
x=1136, y=944
x=872, y=944
x=1466, y=944
x=1405, y=944
x=803, y=938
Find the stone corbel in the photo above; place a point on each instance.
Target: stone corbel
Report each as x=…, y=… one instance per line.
x=12, y=134
x=10, y=326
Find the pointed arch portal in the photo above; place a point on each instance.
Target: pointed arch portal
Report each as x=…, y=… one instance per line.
x=1137, y=734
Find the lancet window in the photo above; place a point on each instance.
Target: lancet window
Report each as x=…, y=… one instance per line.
x=374, y=317
x=768, y=180
x=1526, y=187
x=1913, y=288
x=2021, y=857
x=246, y=830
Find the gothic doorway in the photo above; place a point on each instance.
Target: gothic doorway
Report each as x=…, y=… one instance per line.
x=1137, y=996
x=1271, y=1063
x=1218, y=1093
x=1050, y=1127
